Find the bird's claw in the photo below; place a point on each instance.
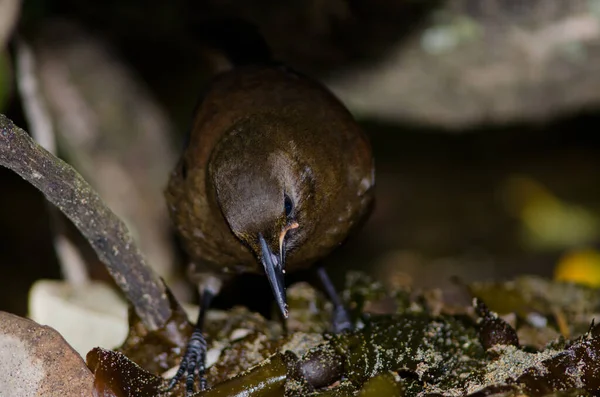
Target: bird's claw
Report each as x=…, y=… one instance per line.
x=341, y=320
x=192, y=364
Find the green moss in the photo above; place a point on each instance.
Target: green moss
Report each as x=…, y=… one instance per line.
x=441, y=351
x=411, y=351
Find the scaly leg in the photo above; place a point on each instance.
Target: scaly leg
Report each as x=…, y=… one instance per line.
x=341, y=317
x=193, y=361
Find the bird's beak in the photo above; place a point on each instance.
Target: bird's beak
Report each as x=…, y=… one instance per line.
x=274, y=270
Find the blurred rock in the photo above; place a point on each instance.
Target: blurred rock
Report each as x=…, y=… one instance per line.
x=36, y=361
x=89, y=316
x=484, y=61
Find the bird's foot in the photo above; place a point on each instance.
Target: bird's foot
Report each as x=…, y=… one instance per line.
x=340, y=320
x=192, y=364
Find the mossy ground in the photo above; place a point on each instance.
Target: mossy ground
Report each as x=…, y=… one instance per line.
x=412, y=347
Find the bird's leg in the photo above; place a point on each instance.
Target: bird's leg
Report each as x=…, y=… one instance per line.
x=193, y=361
x=341, y=317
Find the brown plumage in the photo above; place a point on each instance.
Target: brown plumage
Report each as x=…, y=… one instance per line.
x=276, y=175
x=259, y=135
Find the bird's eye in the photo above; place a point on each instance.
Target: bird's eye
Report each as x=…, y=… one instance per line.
x=288, y=205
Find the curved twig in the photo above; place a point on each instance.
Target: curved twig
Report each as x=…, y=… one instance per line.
x=107, y=234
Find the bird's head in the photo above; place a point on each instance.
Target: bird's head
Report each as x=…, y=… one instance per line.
x=264, y=195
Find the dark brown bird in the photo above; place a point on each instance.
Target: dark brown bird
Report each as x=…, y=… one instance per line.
x=276, y=175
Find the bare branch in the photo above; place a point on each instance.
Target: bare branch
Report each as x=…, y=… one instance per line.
x=107, y=234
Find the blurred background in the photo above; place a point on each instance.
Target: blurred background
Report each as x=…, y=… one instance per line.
x=483, y=116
